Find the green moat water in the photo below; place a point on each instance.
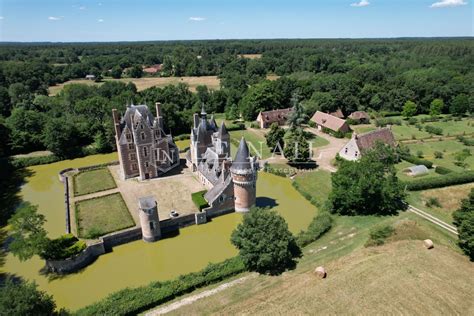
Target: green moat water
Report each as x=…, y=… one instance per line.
x=139, y=263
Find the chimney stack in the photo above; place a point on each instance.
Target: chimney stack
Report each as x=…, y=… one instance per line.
x=158, y=109
x=196, y=120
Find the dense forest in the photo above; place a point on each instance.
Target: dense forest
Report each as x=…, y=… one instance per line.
x=378, y=75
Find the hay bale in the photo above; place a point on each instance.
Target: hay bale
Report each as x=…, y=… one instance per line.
x=320, y=272
x=428, y=243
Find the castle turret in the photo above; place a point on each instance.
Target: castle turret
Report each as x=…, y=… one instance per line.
x=244, y=175
x=149, y=220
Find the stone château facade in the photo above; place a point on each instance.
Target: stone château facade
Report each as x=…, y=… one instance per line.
x=231, y=183
x=144, y=149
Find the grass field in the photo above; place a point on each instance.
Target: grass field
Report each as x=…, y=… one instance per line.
x=91, y=181
x=401, y=277
x=257, y=143
x=315, y=183
x=449, y=198
x=182, y=144
x=212, y=82
x=102, y=215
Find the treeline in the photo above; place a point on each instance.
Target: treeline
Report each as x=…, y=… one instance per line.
x=379, y=75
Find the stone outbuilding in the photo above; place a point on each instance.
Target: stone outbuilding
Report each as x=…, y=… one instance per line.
x=267, y=118
x=330, y=122
x=359, y=144
x=360, y=117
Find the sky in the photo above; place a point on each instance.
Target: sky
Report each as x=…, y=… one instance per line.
x=139, y=20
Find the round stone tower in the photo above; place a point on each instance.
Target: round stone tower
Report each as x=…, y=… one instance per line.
x=149, y=220
x=244, y=175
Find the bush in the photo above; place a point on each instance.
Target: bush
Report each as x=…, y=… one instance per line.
x=199, y=201
x=32, y=161
x=279, y=171
x=137, y=300
x=412, y=121
x=312, y=124
x=419, y=154
x=432, y=201
x=438, y=155
x=442, y=170
x=63, y=247
x=235, y=127
x=182, y=137
x=465, y=141
x=320, y=224
x=452, y=178
x=434, y=130
x=255, y=125
x=417, y=161
x=378, y=235
x=382, y=122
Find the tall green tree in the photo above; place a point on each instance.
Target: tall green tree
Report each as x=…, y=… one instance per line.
x=275, y=138
x=29, y=238
x=464, y=221
x=61, y=138
x=265, y=244
x=19, y=298
x=296, y=148
x=436, y=107
x=409, y=109
x=298, y=116
x=460, y=105
x=368, y=186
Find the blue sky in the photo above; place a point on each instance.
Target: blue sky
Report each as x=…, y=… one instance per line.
x=136, y=20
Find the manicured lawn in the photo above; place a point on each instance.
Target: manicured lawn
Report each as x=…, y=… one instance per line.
x=257, y=143
x=182, y=144
x=319, y=141
x=99, y=216
x=360, y=129
x=315, y=183
x=449, y=199
x=86, y=182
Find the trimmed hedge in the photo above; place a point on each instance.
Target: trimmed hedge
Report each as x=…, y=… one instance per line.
x=137, y=300
x=442, y=170
x=199, y=201
x=235, y=127
x=281, y=172
x=452, y=178
x=32, y=161
x=417, y=161
x=320, y=224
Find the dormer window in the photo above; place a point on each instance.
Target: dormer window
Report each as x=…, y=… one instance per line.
x=129, y=137
x=141, y=126
x=145, y=151
x=142, y=136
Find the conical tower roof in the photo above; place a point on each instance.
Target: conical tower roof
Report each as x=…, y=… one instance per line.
x=242, y=158
x=222, y=131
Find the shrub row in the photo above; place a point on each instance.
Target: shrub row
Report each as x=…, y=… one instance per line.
x=434, y=130
x=32, y=161
x=381, y=122
x=279, y=171
x=137, y=300
x=417, y=161
x=442, y=170
x=449, y=179
x=466, y=141
x=235, y=127
x=320, y=224
x=182, y=137
x=198, y=199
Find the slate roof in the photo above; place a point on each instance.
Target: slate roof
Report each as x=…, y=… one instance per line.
x=367, y=141
x=146, y=202
x=242, y=158
x=133, y=110
x=328, y=121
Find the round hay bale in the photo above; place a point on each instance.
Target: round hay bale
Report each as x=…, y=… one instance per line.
x=320, y=272
x=428, y=243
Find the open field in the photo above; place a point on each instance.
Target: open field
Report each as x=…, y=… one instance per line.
x=392, y=279
x=251, y=56
x=91, y=181
x=257, y=143
x=212, y=82
x=102, y=215
x=449, y=198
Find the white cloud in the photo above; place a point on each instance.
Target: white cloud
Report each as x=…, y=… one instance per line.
x=448, y=3
x=361, y=3
x=197, y=18
x=55, y=18
x=1, y=18
x=100, y=20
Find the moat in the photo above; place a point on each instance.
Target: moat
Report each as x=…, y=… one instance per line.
x=139, y=263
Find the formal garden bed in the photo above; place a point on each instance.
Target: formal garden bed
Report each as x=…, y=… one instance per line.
x=91, y=181
x=102, y=215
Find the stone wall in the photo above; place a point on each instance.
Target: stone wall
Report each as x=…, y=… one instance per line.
x=121, y=237
x=77, y=262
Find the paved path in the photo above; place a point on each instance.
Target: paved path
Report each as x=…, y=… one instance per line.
x=94, y=195
x=324, y=155
x=193, y=298
x=433, y=219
